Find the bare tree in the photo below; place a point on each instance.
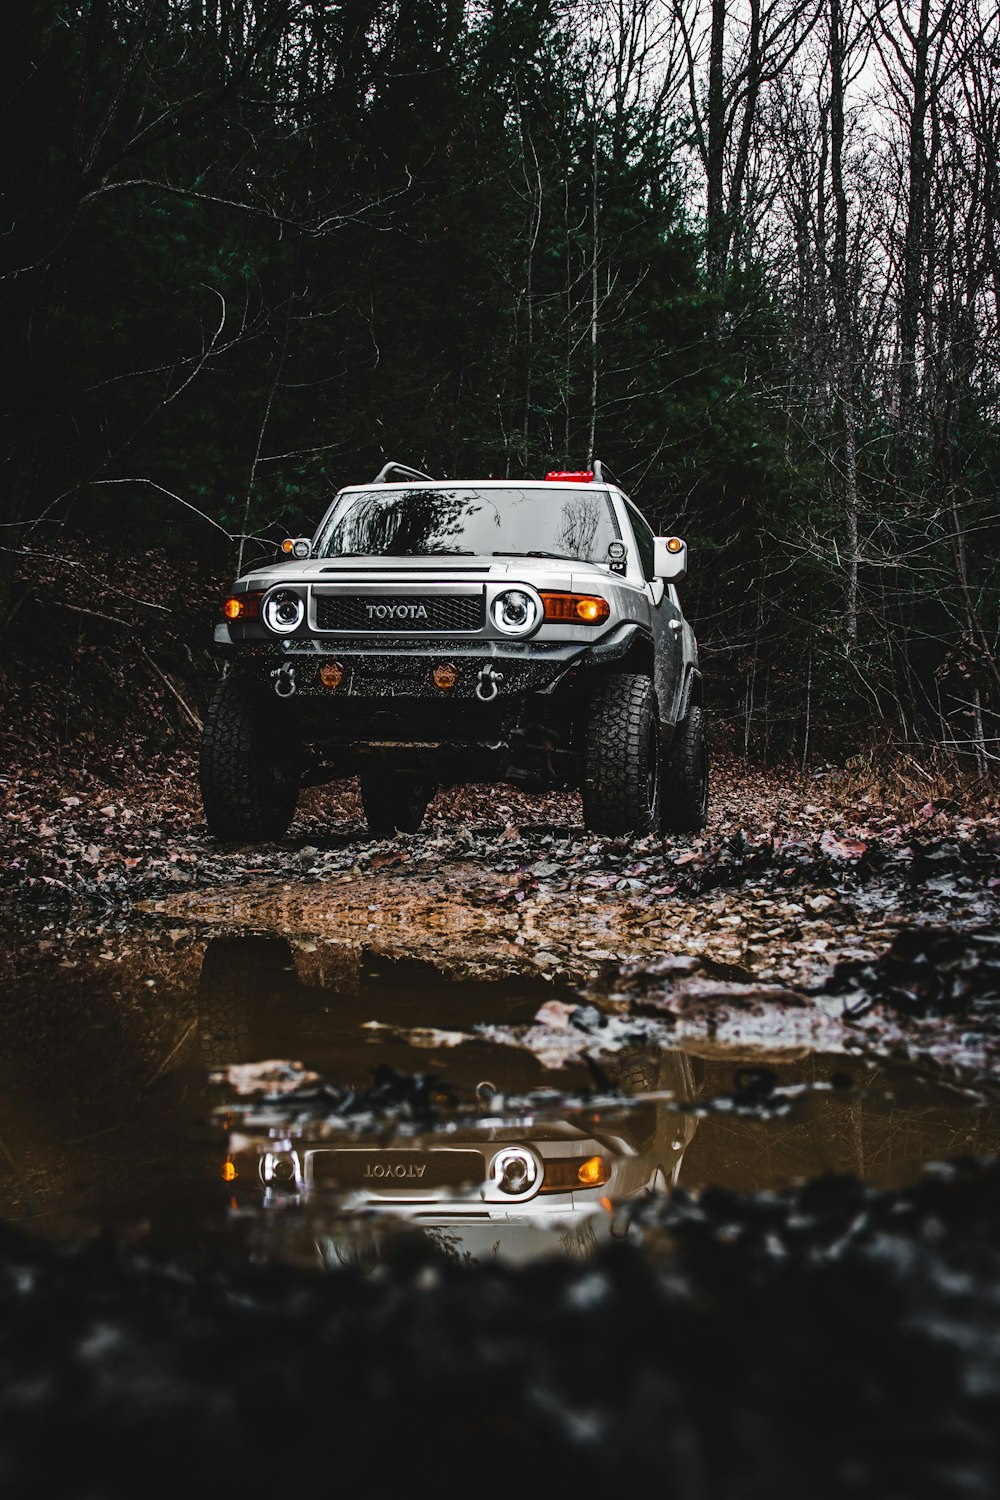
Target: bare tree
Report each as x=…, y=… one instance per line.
x=733, y=55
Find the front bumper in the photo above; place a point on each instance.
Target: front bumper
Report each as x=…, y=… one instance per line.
x=487, y=671
x=403, y=667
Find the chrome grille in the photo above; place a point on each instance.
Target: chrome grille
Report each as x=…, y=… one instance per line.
x=400, y=613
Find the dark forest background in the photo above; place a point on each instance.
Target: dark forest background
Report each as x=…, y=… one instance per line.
x=746, y=254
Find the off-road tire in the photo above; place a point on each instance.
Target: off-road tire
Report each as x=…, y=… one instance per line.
x=394, y=802
x=248, y=787
x=621, y=758
x=684, y=793
x=644, y=1068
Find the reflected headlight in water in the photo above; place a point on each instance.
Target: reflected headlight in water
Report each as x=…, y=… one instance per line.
x=278, y=1168
x=515, y=1171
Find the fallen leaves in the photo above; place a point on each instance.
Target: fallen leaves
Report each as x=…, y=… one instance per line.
x=841, y=848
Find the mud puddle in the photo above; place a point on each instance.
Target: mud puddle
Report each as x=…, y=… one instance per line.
x=303, y=1099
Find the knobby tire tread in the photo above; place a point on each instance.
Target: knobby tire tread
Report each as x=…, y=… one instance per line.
x=685, y=777
x=615, y=796
x=241, y=795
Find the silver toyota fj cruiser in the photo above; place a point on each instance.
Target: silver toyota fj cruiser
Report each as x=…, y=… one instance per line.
x=434, y=632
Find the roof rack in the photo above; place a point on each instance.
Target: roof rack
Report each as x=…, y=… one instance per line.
x=382, y=477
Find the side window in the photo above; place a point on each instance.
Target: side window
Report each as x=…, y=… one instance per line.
x=643, y=541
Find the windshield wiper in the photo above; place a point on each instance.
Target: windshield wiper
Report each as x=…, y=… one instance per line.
x=443, y=552
x=536, y=552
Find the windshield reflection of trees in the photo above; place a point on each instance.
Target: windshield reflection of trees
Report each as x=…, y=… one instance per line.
x=414, y=523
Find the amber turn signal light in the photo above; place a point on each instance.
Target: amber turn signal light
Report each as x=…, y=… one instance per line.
x=564, y=1173
x=229, y=1173
x=577, y=609
x=674, y=544
x=242, y=607
x=445, y=676
x=331, y=674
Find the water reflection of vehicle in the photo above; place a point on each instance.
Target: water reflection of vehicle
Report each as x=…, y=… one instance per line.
x=502, y=1186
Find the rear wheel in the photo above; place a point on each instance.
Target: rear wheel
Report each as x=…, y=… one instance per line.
x=684, y=800
x=394, y=801
x=621, y=776
x=249, y=786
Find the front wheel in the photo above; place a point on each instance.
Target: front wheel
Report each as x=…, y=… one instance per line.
x=684, y=803
x=394, y=802
x=249, y=788
x=621, y=772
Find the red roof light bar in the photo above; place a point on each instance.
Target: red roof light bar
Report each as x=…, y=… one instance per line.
x=571, y=476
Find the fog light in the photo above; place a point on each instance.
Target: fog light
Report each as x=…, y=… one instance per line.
x=331, y=674
x=445, y=676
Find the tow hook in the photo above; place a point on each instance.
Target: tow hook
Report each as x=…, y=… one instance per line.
x=486, y=687
x=284, y=680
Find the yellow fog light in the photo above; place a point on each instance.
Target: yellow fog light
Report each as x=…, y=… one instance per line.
x=445, y=676
x=331, y=674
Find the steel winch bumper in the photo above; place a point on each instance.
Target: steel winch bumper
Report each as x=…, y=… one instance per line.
x=481, y=673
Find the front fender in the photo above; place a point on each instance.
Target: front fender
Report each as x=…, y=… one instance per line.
x=627, y=643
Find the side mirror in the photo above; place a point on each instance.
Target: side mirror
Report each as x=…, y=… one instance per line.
x=670, y=558
x=297, y=546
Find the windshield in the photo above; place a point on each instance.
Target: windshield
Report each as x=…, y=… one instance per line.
x=554, y=522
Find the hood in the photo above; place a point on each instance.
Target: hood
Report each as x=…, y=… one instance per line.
x=318, y=570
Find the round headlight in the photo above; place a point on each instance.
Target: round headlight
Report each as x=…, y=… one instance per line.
x=516, y=612
x=515, y=1171
x=284, y=611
